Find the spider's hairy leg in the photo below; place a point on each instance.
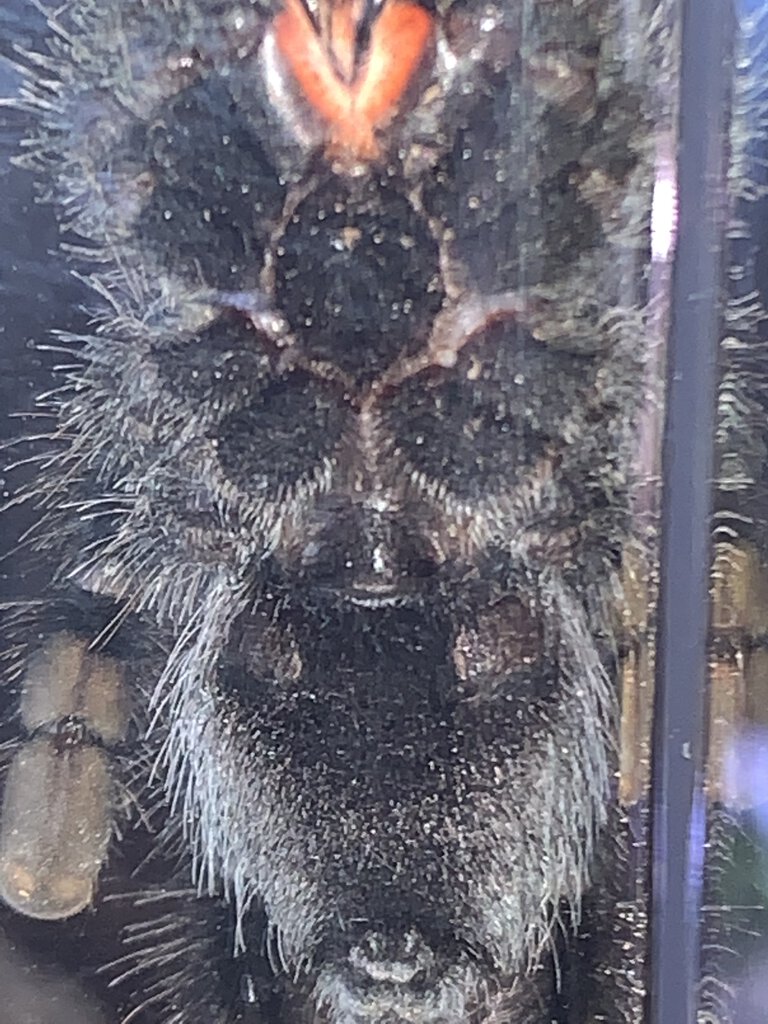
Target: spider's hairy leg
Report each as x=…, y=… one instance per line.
x=57, y=811
x=738, y=667
x=612, y=931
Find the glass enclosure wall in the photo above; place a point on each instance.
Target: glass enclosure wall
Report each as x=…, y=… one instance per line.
x=738, y=699
x=384, y=580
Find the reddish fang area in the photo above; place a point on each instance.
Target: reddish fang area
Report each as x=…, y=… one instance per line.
x=354, y=97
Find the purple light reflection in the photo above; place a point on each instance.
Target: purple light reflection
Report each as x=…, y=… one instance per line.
x=745, y=770
x=745, y=791
x=664, y=206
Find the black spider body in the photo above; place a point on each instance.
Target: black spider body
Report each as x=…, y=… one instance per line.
x=349, y=461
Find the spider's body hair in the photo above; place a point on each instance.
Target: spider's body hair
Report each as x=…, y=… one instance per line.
x=441, y=874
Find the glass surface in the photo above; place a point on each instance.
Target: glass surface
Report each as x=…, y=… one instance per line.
x=738, y=678
x=330, y=625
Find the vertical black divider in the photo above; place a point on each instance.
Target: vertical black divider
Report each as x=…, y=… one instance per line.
x=678, y=814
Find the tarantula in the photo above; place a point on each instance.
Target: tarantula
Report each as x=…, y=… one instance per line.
x=337, y=501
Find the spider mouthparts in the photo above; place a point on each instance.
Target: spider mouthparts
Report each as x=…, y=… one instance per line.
x=354, y=89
